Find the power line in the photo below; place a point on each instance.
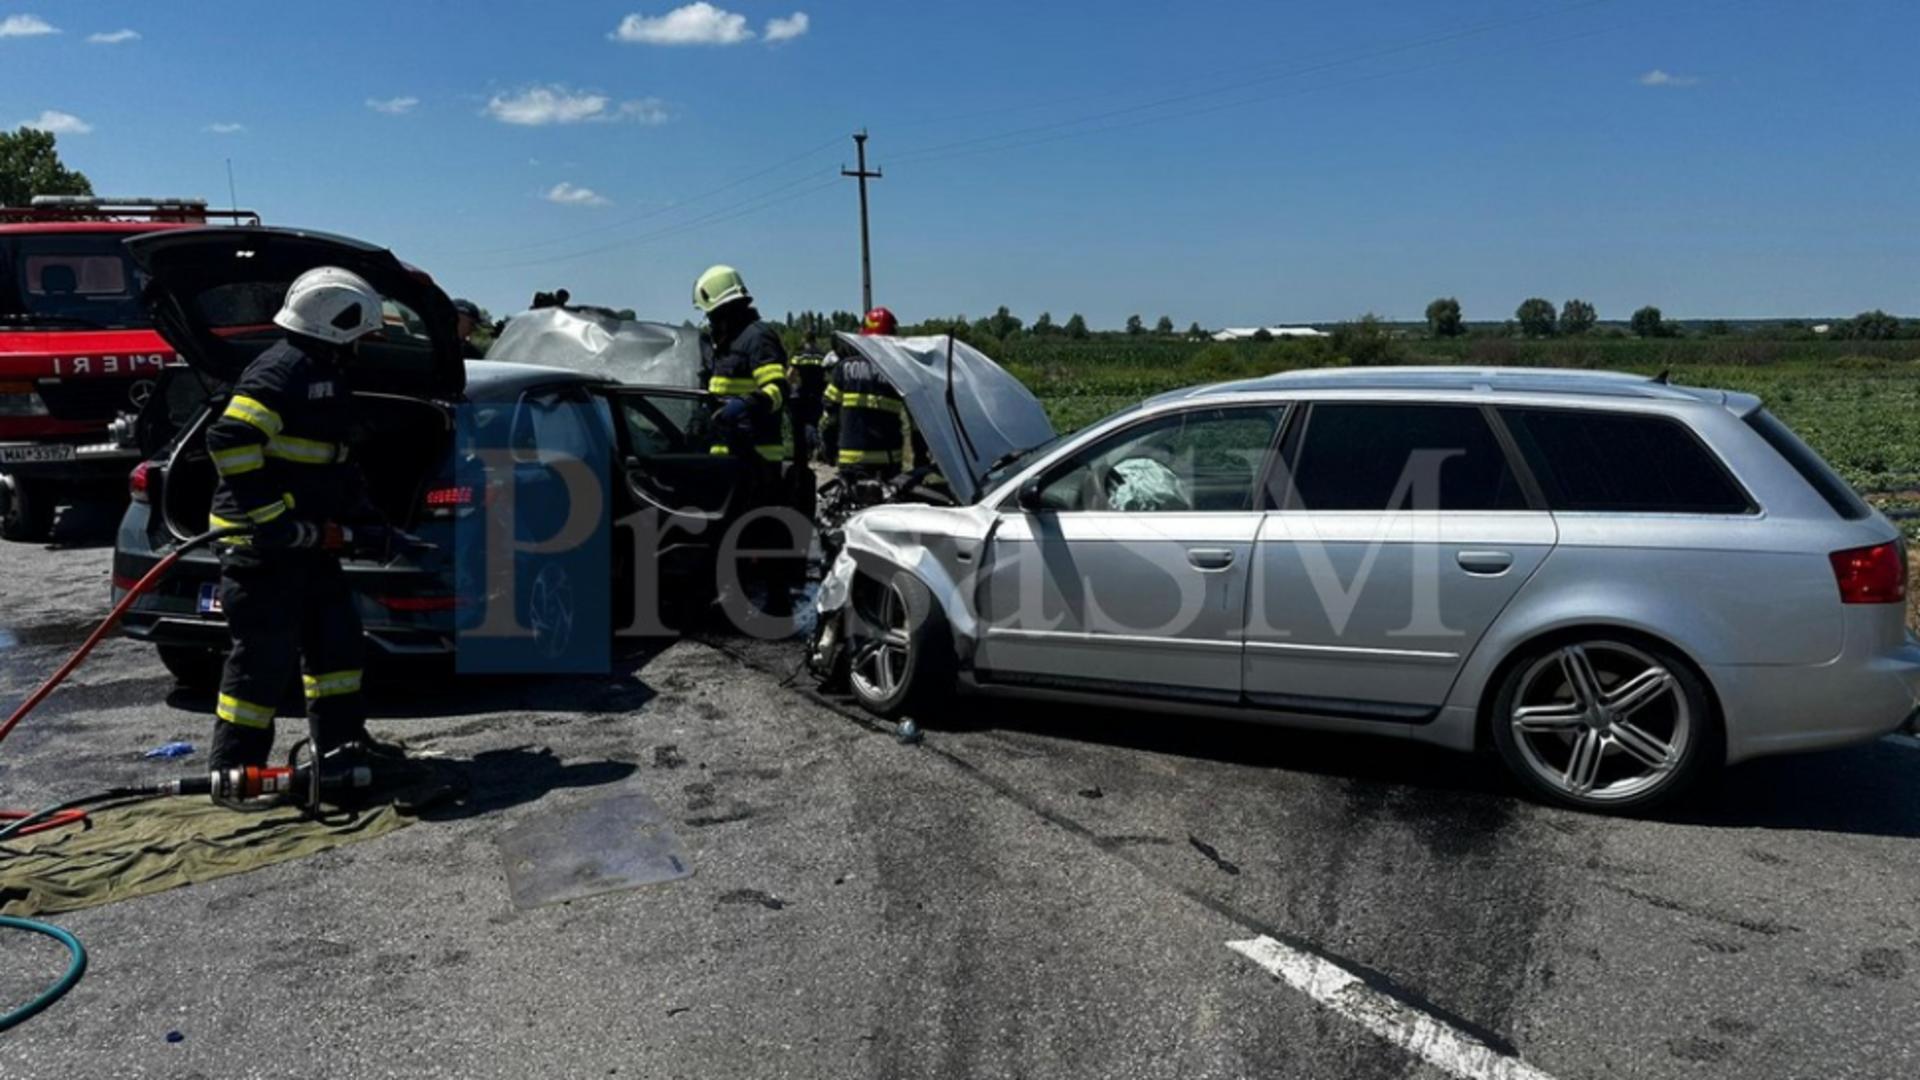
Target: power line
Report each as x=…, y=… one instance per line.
x=680, y=204
x=938, y=150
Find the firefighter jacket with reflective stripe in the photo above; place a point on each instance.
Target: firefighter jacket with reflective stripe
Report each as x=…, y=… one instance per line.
x=752, y=366
x=279, y=444
x=865, y=412
x=809, y=377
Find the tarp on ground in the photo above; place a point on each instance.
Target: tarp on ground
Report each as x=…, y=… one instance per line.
x=149, y=847
x=987, y=415
x=595, y=342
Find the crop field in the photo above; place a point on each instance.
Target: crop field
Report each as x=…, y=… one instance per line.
x=1857, y=403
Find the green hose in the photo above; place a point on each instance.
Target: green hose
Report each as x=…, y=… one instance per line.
x=75, y=968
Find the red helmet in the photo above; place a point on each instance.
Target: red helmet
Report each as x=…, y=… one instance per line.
x=880, y=321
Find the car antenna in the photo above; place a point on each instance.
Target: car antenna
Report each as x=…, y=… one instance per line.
x=1665, y=378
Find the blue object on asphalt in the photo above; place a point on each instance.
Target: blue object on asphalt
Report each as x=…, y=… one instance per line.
x=170, y=750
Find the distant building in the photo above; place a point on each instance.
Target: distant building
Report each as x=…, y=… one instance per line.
x=1246, y=333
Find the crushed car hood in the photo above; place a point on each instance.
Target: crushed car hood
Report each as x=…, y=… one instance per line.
x=596, y=343
x=214, y=292
x=970, y=411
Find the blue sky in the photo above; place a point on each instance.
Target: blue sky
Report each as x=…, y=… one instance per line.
x=1226, y=161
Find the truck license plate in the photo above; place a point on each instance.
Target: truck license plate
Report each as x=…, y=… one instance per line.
x=210, y=599
x=24, y=455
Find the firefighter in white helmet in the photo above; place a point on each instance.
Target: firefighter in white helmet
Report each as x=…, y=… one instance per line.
x=280, y=450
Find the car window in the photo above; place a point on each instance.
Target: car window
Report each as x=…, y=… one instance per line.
x=1594, y=461
x=1844, y=500
x=665, y=424
x=1199, y=460
x=553, y=424
x=79, y=278
x=1396, y=457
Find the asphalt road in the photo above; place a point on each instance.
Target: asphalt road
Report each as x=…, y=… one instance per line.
x=1035, y=893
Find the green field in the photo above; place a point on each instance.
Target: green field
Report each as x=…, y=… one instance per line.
x=1858, y=403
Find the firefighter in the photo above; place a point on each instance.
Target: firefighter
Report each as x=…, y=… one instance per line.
x=467, y=321
x=863, y=429
x=807, y=387
x=279, y=448
x=749, y=377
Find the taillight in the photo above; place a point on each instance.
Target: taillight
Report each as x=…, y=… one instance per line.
x=137, y=481
x=450, y=496
x=1871, y=575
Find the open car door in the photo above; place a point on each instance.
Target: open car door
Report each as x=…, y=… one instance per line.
x=666, y=458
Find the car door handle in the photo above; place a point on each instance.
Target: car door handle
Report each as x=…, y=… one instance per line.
x=1485, y=562
x=1210, y=558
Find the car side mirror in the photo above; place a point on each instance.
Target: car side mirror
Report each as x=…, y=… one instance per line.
x=1029, y=498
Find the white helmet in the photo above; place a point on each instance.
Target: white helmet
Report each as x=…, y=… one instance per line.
x=331, y=304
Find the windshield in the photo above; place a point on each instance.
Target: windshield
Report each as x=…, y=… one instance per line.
x=1005, y=466
x=70, y=279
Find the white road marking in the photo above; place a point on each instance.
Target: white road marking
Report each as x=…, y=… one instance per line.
x=1438, y=1043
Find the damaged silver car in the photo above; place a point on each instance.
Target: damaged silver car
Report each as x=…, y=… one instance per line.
x=1615, y=584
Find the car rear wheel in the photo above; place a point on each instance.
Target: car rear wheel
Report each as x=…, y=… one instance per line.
x=29, y=514
x=193, y=668
x=1605, y=725
x=900, y=651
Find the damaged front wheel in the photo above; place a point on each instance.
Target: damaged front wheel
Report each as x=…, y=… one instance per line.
x=899, y=647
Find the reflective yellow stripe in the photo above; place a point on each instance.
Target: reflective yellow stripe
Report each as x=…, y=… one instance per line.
x=809, y=361
x=773, y=453
x=214, y=521
x=719, y=449
x=726, y=387
x=833, y=394
x=769, y=373
x=305, y=451
x=249, y=411
x=869, y=457
x=240, y=459
x=332, y=684
x=775, y=393
x=245, y=713
x=879, y=402
x=260, y=515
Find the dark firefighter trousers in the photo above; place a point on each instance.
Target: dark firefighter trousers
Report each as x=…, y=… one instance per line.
x=283, y=607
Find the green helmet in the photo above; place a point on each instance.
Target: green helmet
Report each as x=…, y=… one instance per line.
x=719, y=285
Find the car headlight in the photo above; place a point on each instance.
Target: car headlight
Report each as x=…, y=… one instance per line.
x=20, y=399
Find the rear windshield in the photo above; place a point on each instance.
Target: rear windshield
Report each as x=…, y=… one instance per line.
x=1838, y=493
x=82, y=280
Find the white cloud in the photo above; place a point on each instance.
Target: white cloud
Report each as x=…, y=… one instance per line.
x=539, y=105
x=117, y=37
x=1657, y=77
x=695, y=24
x=573, y=195
x=25, y=26
x=787, y=29
x=226, y=128
x=58, y=123
x=393, y=106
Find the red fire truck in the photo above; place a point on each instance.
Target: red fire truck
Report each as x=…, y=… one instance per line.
x=78, y=355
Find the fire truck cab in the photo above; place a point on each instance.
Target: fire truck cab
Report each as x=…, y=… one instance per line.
x=78, y=353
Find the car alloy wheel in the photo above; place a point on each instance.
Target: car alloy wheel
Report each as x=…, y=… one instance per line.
x=882, y=646
x=1602, y=722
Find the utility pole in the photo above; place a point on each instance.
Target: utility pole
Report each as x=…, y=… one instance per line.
x=866, y=250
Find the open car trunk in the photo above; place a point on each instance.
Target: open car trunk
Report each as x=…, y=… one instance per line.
x=404, y=444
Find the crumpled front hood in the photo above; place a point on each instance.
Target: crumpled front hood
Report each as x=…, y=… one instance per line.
x=970, y=410
x=594, y=343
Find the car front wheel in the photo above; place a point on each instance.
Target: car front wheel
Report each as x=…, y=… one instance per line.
x=899, y=649
x=29, y=513
x=1605, y=725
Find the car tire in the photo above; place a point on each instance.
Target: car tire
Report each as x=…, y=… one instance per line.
x=29, y=516
x=1605, y=723
x=899, y=647
x=192, y=667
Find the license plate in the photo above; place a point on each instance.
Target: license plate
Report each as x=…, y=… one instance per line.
x=26, y=455
x=210, y=599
